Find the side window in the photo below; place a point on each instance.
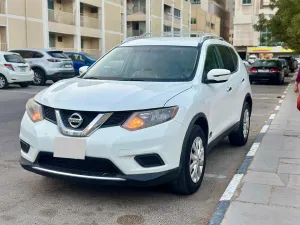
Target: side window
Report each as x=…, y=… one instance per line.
x=26, y=54
x=78, y=57
x=37, y=55
x=226, y=58
x=211, y=61
x=235, y=59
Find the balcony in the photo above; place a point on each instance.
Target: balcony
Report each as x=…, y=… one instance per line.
x=132, y=33
x=90, y=22
x=93, y=52
x=177, y=20
x=2, y=7
x=168, y=17
x=61, y=22
x=136, y=14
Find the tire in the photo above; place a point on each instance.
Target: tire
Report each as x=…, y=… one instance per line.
x=54, y=81
x=3, y=82
x=240, y=137
x=185, y=184
x=251, y=82
x=39, y=77
x=24, y=85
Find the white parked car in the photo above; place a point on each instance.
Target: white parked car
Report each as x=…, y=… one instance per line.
x=148, y=120
x=14, y=70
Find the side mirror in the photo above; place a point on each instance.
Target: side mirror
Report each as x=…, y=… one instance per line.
x=83, y=69
x=218, y=75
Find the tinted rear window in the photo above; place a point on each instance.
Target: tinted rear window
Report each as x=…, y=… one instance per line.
x=57, y=54
x=268, y=63
x=14, y=58
x=286, y=58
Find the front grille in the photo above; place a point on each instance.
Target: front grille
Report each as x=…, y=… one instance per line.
x=49, y=114
x=116, y=119
x=87, y=166
x=87, y=117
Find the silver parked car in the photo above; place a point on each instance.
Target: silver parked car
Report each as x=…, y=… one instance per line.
x=47, y=64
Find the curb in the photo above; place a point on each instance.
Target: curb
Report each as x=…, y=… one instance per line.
x=225, y=199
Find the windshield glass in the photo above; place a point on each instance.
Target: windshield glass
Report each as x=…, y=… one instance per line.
x=14, y=58
x=92, y=57
x=146, y=63
x=273, y=63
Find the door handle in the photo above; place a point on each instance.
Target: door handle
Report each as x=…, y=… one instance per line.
x=243, y=80
x=229, y=89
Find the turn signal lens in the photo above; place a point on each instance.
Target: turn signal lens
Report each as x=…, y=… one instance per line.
x=144, y=119
x=34, y=111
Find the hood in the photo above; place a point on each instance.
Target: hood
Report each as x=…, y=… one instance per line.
x=107, y=96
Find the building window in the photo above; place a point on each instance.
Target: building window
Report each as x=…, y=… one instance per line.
x=193, y=21
x=177, y=12
x=50, y=4
x=247, y=1
x=176, y=30
x=51, y=40
x=207, y=24
x=212, y=26
x=167, y=28
x=195, y=1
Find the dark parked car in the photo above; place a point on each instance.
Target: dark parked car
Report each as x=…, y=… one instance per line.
x=270, y=70
x=293, y=63
x=285, y=66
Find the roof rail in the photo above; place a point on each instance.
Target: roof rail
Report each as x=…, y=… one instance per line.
x=203, y=36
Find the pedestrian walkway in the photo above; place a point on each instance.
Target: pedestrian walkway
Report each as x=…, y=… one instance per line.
x=269, y=193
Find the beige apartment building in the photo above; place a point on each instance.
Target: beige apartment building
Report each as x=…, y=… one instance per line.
x=92, y=26
x=246, y=15
x=204, y=21
x=157, y=16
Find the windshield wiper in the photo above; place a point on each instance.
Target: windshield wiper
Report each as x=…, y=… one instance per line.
x=133, y=79
x=92, y=78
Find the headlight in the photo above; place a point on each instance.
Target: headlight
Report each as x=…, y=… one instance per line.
x=34, y=111
x=144, y=119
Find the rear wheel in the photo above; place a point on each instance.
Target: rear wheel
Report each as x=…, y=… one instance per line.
x=24, y=85
x=39, y=77
x=240, y=137
x=3, y=82
x=193, y=163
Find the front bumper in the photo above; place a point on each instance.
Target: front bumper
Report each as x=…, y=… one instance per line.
x=14, y=77
x=115, y=144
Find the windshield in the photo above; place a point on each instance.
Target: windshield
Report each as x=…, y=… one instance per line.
x=271, y=63
x=14, y=58
x=146, y=63
x=92, y=57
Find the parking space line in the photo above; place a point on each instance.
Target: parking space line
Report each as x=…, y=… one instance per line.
x=227, y=195
x=272, y=116
x=253, y=149
x=264, y=129
x=215, y=176
x=22, y=92
x=280, y=101
x=277, y=108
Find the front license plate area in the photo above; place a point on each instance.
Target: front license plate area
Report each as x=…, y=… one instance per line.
x=70, y=148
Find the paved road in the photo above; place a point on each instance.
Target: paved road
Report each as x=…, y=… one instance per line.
x=26, y=198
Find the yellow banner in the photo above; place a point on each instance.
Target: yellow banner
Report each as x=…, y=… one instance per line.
x=268, y=49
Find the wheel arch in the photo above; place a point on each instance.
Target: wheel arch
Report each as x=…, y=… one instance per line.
x=38, y=67
x=201, y=120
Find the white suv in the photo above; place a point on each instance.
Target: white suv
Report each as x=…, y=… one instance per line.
x=145, y=113
x=47, y=64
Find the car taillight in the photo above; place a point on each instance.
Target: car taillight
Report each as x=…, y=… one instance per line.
x=274, y=70
x=9, y=66
x=253, y=70
x=54, y=60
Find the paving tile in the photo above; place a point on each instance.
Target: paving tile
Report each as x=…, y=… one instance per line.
x=289, y=166
x=294, y=181
x=255, y=193
x=240, y=213
x=273, y=141
x=285, y=196
x=265, y=161
x=263, y=178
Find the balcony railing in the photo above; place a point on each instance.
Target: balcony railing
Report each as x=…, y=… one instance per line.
x=61, y=17
x=90, y=22
x=93, y=52
x=177, y=19
x=168, y=17
x=131, y=33
x=136, y=10
x=2, y=7
x=3, y=47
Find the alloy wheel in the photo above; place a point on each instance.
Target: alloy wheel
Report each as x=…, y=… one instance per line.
x=2, y=82
x=246, y=123
x=197, y=160
x=37, y=79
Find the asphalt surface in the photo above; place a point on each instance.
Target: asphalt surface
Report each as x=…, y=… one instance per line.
x=27, y=198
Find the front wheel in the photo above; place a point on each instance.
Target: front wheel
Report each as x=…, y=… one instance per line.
x=193, y=163
x=240, y=136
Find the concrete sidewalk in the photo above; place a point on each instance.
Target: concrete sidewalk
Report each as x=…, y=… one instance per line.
x=269, y=193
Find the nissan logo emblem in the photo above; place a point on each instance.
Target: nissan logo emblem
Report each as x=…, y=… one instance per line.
x=75, y=120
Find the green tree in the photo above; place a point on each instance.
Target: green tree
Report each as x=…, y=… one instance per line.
x=284, y=25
